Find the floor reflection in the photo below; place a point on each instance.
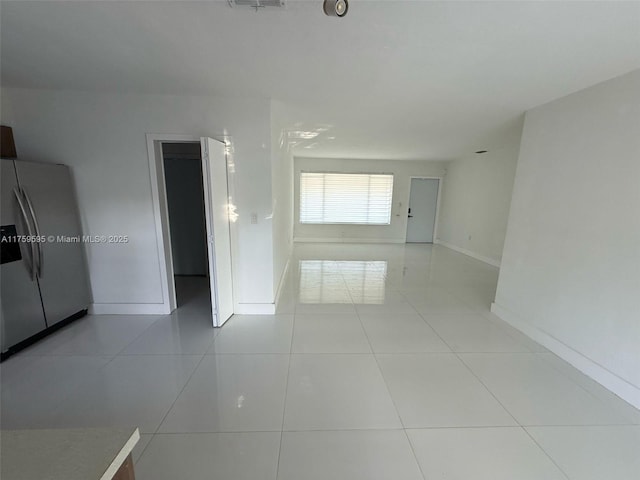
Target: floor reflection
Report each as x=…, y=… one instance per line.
x=347, y=281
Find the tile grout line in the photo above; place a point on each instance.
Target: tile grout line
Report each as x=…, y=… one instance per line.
x=510, y=334
x=381, y=429
x=472, y=372
x=88, y=377
x=512, y=416
x=519, y=425
x=437, y=334
x=487, y=389
x=286, y=395
x=153, y=435
x=145, y=447
x=84, y=380
x=529, y=352
x=601, y=401
x=545, y=452
x=111, y=357
x=140, y=334
x=393, y=402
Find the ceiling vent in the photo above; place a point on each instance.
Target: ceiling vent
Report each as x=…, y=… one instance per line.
x=256, y=3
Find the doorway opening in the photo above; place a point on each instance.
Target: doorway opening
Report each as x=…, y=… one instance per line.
x=424, y=200
x=182, y=163
x=208, y=191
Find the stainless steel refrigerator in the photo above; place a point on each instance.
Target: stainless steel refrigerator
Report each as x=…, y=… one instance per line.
x=43, y=282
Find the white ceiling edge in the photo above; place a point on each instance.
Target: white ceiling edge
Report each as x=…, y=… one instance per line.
x=410, y=80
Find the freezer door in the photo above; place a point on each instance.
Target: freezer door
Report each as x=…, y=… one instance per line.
x=21, y=314
x=60, y=262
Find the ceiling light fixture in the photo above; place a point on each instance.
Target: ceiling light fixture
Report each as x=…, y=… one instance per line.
x=482, y=151
x=335, y=8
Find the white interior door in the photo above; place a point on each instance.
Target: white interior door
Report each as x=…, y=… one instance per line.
x=423, y=203
x=216, y=200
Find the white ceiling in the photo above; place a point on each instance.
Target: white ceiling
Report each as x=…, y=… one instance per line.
x=393, y=79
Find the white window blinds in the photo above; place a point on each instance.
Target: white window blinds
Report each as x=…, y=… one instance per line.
x=362, y=199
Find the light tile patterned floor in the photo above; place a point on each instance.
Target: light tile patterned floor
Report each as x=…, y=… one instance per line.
x=383, y=363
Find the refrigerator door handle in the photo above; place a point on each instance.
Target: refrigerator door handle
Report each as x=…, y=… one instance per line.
x=23, y=210
x=37, y=244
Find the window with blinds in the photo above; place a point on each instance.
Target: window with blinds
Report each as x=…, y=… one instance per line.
x=352, y=198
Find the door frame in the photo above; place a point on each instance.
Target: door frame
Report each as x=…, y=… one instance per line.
x=161, y=212
x=437, y=219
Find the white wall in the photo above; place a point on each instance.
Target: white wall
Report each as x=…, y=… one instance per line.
x=396, y=232
x=570, y=274
x=102, y=137
x=282, y=188
x=476, y=197
x=185, y=202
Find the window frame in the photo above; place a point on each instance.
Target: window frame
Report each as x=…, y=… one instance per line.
x=300, y=193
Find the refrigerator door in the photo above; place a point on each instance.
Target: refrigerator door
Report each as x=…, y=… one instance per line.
x=60, y=261
x=21, y=314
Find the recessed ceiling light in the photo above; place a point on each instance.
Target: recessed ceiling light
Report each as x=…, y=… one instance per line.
x=482, y=151
x=335, y=8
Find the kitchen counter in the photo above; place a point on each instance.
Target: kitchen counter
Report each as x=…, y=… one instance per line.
x=78, y=454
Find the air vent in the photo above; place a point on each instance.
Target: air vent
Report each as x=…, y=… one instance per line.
x=256, y=3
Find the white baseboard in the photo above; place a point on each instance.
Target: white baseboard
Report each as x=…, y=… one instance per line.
x=469, y=253
x=346, y=240
x=129, y=309
x=283, y=278
x=162, y=309
x=255, y=309
x=628, y=392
